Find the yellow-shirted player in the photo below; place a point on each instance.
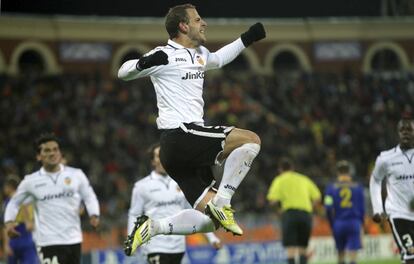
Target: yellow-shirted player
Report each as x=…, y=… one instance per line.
x=296, y=195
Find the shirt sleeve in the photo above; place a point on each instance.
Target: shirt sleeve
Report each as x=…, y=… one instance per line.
x=137, y=206
x=224, y=55
x=274, y=191
x=13, y=206
x=129, y=71
x=314, y=191
x=88, y=196
x=328, y=202
x=377, y=176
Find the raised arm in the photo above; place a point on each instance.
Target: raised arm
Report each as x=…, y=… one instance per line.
x=229, y=52
x=134, y=69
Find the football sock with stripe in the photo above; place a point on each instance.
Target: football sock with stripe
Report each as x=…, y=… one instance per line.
x=235, y=169
x=188, y=221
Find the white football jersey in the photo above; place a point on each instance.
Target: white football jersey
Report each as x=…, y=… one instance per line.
x=397, y=168
x=57, y=199
x=158, y=196
x=179, y=84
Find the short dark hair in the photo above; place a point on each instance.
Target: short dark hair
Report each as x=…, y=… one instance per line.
x=12, y=181
x=405, y=117
x=150, y=151
x=43, y=138
x=343, y=167
x=175, y=16
x=285, y=164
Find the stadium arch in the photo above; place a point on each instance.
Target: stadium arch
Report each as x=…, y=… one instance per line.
x=248, y=56
x=251, y=56
x=51, y=66
x=123, y=51
x=287, y=47
x=385, y=45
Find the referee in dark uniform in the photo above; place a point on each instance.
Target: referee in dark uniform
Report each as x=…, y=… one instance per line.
x=295, y=194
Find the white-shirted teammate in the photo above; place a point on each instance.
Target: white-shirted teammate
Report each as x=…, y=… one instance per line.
x=396, y=167
x=56, y=192
x=188, y=148
x=158, y=196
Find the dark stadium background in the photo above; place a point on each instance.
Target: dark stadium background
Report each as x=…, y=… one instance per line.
x=335, y=111
x=208, y=8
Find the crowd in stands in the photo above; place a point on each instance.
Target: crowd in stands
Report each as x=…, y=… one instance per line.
x=106, y=126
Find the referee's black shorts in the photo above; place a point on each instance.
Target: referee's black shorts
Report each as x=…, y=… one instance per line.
x=187, y=154
x=296, y=228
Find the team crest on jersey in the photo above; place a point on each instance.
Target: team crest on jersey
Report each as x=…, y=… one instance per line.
x=200, y=60
x=67, y=181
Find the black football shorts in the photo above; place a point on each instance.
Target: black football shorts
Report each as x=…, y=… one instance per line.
x=188, y=153
x=62, y=254
x=296, y=228
x=403, y=232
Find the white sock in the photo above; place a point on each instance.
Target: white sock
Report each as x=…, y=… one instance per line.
x=235, y=169
x=186, y=222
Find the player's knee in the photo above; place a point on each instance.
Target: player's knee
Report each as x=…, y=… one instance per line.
x=251, y=143
x=252, y=137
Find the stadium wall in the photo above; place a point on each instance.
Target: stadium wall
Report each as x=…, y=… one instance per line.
x=319, y=44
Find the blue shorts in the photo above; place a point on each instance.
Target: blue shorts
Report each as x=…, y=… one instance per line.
x=24, y=251
x=347, y=234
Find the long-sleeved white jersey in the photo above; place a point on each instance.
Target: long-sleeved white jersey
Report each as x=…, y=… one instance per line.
x=179, y=84
x=57, y=198
x=397, y=168
x=159, y=196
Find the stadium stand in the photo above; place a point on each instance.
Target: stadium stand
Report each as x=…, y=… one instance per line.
x=319, y=110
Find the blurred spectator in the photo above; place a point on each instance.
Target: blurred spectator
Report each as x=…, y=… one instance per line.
x=317, y=119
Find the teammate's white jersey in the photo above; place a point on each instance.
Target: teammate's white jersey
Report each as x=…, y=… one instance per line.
x=158, y=197
x=57, y=198
x=179, y=84
x=397, y=168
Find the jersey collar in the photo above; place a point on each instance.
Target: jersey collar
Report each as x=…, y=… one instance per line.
x=175, y=45
x=400, y=150
x=44, y=172
x=155, y=175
